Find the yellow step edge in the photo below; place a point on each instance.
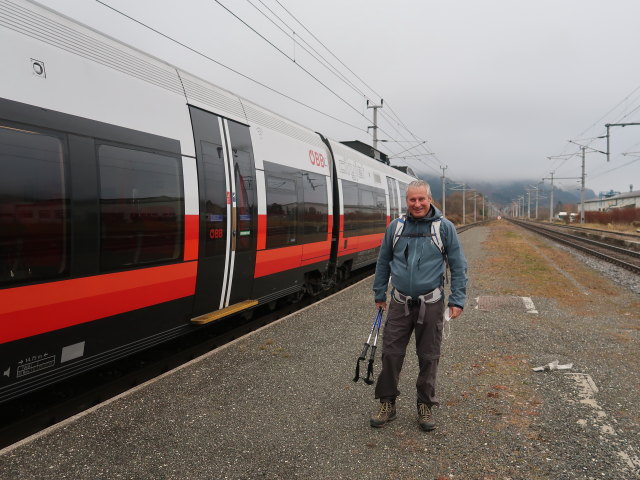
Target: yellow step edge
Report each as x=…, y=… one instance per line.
x=225, y=312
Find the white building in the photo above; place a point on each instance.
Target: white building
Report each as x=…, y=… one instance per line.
x=621, y=200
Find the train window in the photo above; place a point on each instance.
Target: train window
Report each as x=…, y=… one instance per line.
x=282, y=210
x=368, y=208
x=245, y=186
x=365, y=209
x=403, y=194
x=141, y=207
x=215, y=199
x=33, y=206
x=394, y=210
x=380, y=216
x=352, y=214
x=315, y=213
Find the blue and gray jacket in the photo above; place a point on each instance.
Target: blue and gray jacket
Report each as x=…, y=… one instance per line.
x=416, y=265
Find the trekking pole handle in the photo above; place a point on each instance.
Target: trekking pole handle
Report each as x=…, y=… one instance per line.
x=363, y=355
x=373, y=352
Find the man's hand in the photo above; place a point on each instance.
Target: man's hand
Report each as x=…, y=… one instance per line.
x=455, y=312
x=382, y=305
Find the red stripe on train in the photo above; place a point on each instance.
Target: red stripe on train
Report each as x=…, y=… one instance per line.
x=191, y=231
x=348, y=245
x=36, y=309
x=262, y=232
x=282, y=259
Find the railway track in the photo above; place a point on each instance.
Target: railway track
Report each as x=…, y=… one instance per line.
x=623, y=257
x=632, y=236
x=462, y=228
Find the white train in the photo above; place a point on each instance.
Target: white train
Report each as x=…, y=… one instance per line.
x=138, y=202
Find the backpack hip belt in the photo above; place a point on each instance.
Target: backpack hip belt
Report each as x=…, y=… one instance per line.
x=430, y=297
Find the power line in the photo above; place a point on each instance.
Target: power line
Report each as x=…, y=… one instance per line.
x=288, y=97
x=327, y=64
x=345, y=66
x=272, y=89
x=300, y=66
x=287, y=56
x=326, y=48
x=606, y=114
x=615, y=168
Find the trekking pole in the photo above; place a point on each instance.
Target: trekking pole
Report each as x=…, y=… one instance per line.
x=365, y=347
x=378, y=322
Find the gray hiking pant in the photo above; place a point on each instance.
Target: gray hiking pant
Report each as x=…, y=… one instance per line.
x=396, y=335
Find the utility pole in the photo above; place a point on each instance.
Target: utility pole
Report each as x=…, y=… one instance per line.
x=444, y=197
x=464, y=203
x=583, y=149
x=375, y=122
x=614, y=125
x=582, y=188
x=475, y=196
x=550, y=197
x=528, y=204
x=462, y=187
x=537, y=189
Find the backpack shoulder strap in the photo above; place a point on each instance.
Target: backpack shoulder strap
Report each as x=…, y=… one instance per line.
x=399, y=228
x=435, y=235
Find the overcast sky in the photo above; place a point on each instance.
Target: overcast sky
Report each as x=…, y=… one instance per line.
x=494, y=86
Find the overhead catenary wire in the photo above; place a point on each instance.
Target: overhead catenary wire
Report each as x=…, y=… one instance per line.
x=561, y=162
x=262, y=84
x=600, y=174
x=400, y=122
x=290, y=58
x=326, y=63
x=247, y=77
x=297, y=63
x=597, y=122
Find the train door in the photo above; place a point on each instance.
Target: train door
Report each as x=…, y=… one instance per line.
x=226, y=180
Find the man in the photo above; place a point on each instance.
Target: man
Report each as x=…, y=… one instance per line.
x=417, y=267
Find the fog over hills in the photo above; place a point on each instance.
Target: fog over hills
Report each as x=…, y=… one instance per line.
x=503, y=192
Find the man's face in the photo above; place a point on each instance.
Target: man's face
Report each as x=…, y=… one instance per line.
x=418, y=202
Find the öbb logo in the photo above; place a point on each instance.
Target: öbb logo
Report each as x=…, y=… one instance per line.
x=317, y=159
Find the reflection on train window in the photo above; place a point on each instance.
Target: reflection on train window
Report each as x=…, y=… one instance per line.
x=315, y=213
x=141, y=207
x=246, y=208
x=33, y=206
x=393, y=198
x=215, y=199
x=403, y=195
x=352, y=214
x=282, y=211
x=365, y=209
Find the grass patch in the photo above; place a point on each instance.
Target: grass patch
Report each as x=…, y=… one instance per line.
x=520, y=263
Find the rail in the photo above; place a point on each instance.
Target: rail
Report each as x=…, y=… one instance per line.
x=586, y=245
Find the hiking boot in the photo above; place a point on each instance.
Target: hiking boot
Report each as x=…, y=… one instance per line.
x=386, y=413
x=425, y=417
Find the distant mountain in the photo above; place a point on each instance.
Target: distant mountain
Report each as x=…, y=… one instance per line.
x=502, y=193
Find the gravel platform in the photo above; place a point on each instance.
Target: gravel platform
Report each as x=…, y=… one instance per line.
x=281, y=404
